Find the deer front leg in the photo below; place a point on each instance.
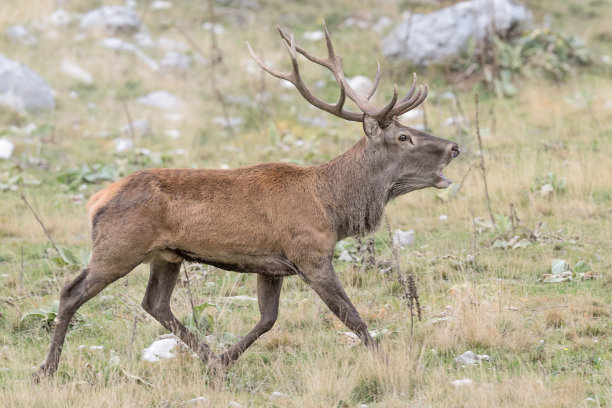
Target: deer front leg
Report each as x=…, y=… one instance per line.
x=330, y=290
x=268, y=294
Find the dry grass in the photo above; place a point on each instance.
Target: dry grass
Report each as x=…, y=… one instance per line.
x=549, y=343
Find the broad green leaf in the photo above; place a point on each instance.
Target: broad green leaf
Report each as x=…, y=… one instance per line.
x=559, y=266
x=581, y=267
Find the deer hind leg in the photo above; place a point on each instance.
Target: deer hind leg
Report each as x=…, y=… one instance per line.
x=89, y=283
x=156, y=302
x=268, y=294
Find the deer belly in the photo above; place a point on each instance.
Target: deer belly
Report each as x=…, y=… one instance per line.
x=270, y=265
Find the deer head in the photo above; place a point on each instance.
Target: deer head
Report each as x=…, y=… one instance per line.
x=408, y=158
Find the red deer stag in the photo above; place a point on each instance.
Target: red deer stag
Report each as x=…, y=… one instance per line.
x=272, y=219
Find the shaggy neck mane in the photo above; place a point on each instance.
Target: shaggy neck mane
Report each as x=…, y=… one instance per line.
x=356, y=207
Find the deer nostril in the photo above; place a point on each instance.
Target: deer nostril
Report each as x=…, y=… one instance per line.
x=455, y=151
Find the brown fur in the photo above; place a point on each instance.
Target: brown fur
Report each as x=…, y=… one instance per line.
x=102, y=197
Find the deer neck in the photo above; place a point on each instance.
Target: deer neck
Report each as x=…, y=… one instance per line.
x=354, y=189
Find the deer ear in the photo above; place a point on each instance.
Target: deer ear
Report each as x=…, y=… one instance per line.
x=371, y=128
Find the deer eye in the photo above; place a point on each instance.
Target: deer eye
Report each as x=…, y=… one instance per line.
x=403, y=138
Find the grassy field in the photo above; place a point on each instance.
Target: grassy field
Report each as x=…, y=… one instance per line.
x=550, y=344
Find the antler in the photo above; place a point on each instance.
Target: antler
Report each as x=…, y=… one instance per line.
x=333, y=62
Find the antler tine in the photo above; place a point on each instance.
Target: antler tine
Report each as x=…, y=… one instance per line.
x=268, y=69
x=299, y=49
x=408, y=99
x=382, y=114
x=295, y=78
x=420, y=97
x=376, y=81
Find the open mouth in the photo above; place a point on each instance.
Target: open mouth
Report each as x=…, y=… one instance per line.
x=441, y=180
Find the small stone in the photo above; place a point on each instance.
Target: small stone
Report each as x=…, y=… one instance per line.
x=242, y=298
x=161, y=5
x=176, y=60
x=278, y=397
x=173, y=133
x=345, y=256
x=160, y=99
x=123, y=145
x=6, y=149
x=216, y=28
x=160, y=349
x=19, y=33
x=197, y=400
x=59, y=17
x=73, y=70
x=470, y=358
x=443, y=217
x=313, y=35
x=403, y=238
x=411, y=115
x=141, y=127
x=229, y=122
x=361, y=84
x=461, y=383
x=112, y=20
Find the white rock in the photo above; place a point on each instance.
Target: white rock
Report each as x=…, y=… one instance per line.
x=111, y=19
x=161, y=5
x=411, y=115
x=278, y=397
x=140, y=127
x=461, y=383
x=123, y=145
x=470, y=358
x=345, y=256
x=443, y=217
x=173, y=133
x=115, y=43
x=382, y=23
x=21, y=34
x=6, y=149
x=457, y=121
x=313, y=35
x=435, y=37
x=176, y=60
x=242, y=298
x=159, y=350
x=403, y=238
x=361, y=84
x=231, y=122
x=59, y=17
x=172, y=45
x=73, y=70
x=216, y=28
x=22, y=89
x=197, y=400
x=160, y=99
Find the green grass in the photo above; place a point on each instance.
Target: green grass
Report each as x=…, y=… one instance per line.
x=550, y=344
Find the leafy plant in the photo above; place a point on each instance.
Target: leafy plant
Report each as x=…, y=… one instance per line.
x=548, y=184
x=44, y=317
x=95, y=173
x=542, y=51
x=199, y=321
